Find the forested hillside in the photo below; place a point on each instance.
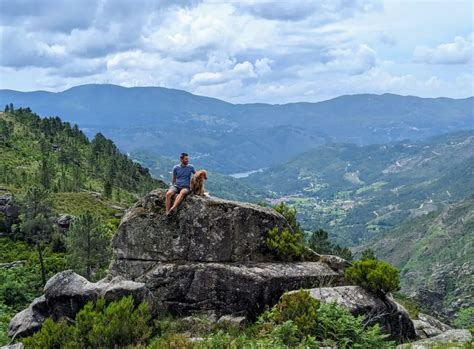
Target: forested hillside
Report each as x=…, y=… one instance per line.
x=434, y=253
x=357, y=192
x=53, y=179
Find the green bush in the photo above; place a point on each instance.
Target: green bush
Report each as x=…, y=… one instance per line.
x=375, y=276
x=298, y=320
x=290, y=215
x=465, y=319
x=6, y=313
x=98, y=325
x=19, y=286
x=298, y=307
x=286, y=333
x=285, y=245
x=53, y=335
x=337, y=325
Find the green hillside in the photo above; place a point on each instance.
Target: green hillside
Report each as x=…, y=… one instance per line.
x=62, y=158
x=434, y=253
x=80, y=175
x=356, y=192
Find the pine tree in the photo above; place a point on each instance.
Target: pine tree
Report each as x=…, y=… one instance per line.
x=46, y=167
x=35, y=220
x=88, y=245
x=319, y=242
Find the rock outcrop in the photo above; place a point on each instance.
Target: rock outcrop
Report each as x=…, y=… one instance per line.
x=211, y=255
x=427, y=326
x=8, y=209
x=202, y=230
x=66, y=293
x=390, y=315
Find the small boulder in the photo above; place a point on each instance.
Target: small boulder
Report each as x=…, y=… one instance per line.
x=427, y=326
x=13, y=346
x=455, y=339
x=231, y=320
x=29, y=320
x=64, y=221
x=390, y=315
x=67, y=292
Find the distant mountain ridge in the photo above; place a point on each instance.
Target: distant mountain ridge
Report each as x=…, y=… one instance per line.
x=166, y=121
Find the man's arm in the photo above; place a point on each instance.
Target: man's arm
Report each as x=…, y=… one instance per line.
x=173, y=180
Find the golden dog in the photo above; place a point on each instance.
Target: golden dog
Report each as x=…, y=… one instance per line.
x=197, y=183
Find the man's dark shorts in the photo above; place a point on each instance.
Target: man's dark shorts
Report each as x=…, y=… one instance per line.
x=176, y=189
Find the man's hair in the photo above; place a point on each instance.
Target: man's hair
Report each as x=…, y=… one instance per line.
x=183, y=155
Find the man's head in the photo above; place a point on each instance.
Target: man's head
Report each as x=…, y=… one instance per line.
x=184, y=158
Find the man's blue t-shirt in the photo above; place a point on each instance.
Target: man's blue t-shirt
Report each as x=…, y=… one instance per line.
x=183, y=175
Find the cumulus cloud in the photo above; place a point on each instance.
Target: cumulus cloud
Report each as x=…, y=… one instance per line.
x=460, y=51
x=351, y=61
x=252, y=51
x=244, y=70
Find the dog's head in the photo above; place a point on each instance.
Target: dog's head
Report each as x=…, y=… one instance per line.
x=202, y=174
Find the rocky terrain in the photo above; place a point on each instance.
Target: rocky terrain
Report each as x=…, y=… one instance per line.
x=210, y=257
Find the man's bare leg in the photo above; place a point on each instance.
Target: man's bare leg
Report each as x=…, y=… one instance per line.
x=169, y=196
x=179, y=198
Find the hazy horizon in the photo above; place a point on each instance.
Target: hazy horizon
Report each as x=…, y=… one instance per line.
x=250, y=102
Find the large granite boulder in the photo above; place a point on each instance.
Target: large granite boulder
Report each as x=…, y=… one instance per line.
x=67, y=292
x=225, y=288
x=203, y=229
x=390, y=315
x=209, y=256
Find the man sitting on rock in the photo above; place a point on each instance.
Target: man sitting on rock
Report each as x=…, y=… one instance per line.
x=180, y=183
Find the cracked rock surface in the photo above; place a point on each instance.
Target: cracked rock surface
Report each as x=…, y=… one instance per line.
x=209, y=255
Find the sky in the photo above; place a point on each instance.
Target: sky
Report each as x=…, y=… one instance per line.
x=241, y=51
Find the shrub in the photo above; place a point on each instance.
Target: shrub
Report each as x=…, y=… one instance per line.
x=298, y=320
x=285, y=245
x=465, y=319
x=298, y=307
x=290, y=215
x=373, y=275
x=337, y=324
x=52, y=335
x=19, y=286
x=98, y=325
x=118, y=323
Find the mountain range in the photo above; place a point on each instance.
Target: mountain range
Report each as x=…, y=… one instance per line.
x=231, y=138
